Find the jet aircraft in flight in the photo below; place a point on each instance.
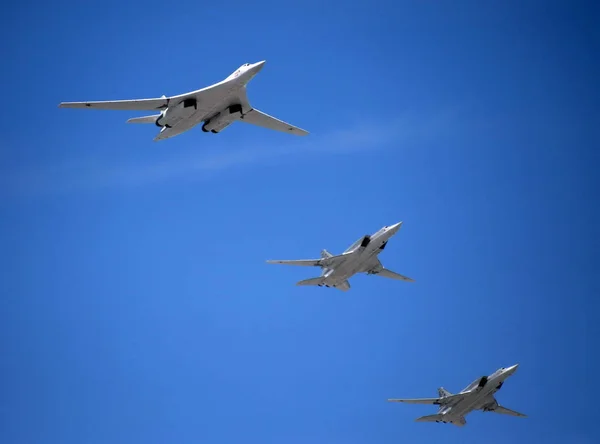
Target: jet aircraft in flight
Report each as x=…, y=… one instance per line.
x=479, y=395
x=217, y=106
x=360, y=257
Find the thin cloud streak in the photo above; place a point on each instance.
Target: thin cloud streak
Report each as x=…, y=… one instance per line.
x=90, y=174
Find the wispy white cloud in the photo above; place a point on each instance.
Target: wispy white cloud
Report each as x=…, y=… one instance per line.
x=92, y=174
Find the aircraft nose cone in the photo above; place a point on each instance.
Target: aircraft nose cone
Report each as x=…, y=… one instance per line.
x=258, y=66
x=395, y=227
x=512, y=369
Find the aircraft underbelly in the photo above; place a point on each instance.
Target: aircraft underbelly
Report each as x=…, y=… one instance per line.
x=344, y=270
x=464, y=406
x=205, y=110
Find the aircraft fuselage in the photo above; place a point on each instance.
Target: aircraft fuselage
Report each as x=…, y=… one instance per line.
x=478, y=395
x=223, y=105
x=359, y=256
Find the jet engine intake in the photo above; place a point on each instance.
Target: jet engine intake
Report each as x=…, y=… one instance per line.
x=174, y=114
x=490, y=407
x=160, y=121
x=482, y=381
x=223, y=119
x=366, y=240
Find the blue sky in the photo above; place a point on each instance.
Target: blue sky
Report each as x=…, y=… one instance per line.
x=136, y=303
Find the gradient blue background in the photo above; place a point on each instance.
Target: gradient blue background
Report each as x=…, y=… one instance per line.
x=136, y=303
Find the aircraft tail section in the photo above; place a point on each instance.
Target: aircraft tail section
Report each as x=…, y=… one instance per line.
x=145, y=119
x=442, y=392
x=325, y=254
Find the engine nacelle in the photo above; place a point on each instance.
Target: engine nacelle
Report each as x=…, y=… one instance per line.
x=223, y=119
x=482, y=382
x=366, y=240
x=490, y=407
x=174, y=114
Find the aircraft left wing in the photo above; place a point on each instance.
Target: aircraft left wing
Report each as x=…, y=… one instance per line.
x=505, y=411
x=301, y=262
x=256, y=117
x=124, y=105
x=331, y=261
x=435, y=401
x=417, y=401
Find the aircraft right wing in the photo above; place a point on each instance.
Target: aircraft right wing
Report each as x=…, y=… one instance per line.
x=376, y=268
x=505, y=411
x=384, y=272
x=258, y=118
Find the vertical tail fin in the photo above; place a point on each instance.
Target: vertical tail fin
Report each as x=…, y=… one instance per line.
x=325, y=254
x=442, y=392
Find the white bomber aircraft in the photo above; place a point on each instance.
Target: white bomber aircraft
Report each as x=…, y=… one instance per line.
x=479, y=395
x=218, y=106
x=360, y=257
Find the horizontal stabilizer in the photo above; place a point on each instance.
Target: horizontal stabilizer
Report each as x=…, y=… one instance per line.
x=429, y=418
x=145, y=119
x=457, y=421
x=384, y=272
x=258, y=118
x=311, y=281
x=505, y=411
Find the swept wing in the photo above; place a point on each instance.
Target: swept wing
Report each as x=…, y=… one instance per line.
x=505, y=411
x=384, y=272
x=329, y=262
x=436, y=401
x=205, y=94
x=258, y=118
x=375, y=267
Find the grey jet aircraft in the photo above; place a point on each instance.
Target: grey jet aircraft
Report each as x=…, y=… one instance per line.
x=217, y=106
x=360, y=257
x=479, y=395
